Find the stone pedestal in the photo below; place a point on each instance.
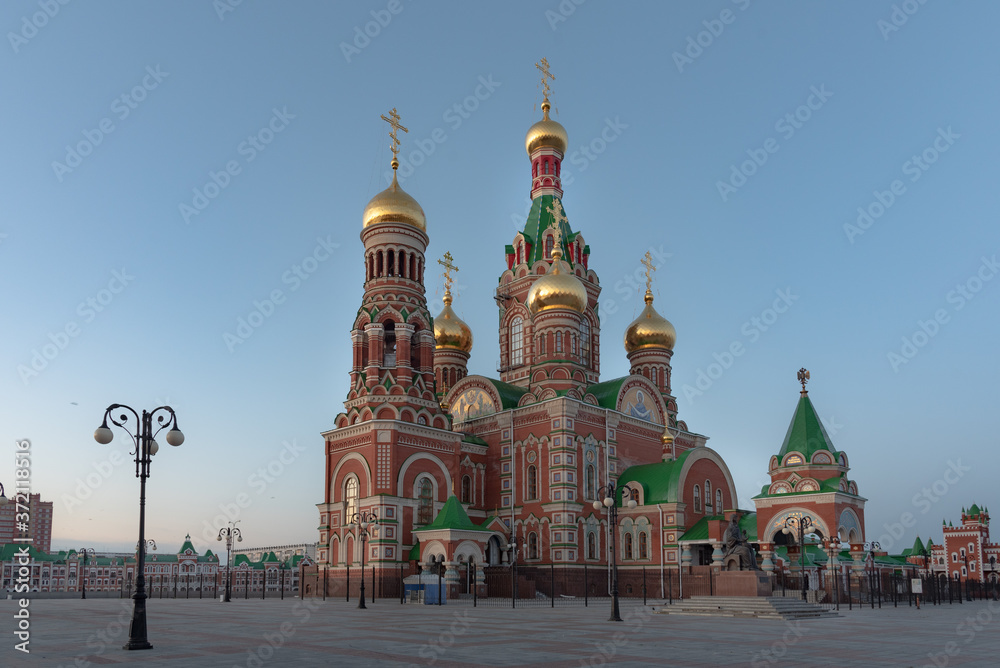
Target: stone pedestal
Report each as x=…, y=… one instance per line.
x=742, y=583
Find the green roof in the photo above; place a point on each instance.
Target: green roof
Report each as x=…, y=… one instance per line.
x=815, y=554
x=748, y=522
x=606, y=393
x=414, y=552
x=918, y=547
x=974, y=510
x=509, y=394
x=187, y=546
x=806, y=433
x=453, y=516
x=539, y=220
x=700, y=529
x=661, y=482
x=470, y=438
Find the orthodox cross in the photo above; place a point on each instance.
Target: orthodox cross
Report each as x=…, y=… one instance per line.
x=393, y=121
x=647, y=262
x=546, y=76
x=448, y=268
x=803, y=377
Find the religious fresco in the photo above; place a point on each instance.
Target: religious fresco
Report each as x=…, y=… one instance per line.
x=638, y=403
x=474, y=402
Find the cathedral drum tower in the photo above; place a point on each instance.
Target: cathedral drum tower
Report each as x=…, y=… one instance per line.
x=392, y=451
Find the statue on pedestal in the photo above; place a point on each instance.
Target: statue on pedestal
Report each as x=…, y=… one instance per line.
x=736, y=543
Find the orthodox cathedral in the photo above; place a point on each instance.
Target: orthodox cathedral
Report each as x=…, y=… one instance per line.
x=465, y=468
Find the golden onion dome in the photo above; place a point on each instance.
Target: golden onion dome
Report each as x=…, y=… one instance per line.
x=546, y=132
x=450, y=331
x=557, y=289
x=393, y=205
x=650, y=330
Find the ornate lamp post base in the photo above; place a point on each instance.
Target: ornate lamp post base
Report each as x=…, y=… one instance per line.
x=137, y=629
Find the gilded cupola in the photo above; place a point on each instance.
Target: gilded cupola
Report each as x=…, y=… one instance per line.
x=650, y=330
x=394, y=205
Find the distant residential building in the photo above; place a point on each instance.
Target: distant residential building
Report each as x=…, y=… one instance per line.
x=65, y=571
x=966, y=550
x=268, y=571
x=283, y=552
x=39, y=522
x=186, y=572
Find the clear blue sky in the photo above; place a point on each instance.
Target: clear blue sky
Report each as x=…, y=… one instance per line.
x=677, y=128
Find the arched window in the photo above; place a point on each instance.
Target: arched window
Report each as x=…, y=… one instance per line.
x=541, y=344
x=379, y=264
x=466, y=489
x=532, y=482
x=520, y=253
x=653, y=377
x=532, y=545
x=572, y=344
x=591, y=545
x=585, y=341
x=517, y=342
x=627, y=547
x=558, y=342
x=718, y=501
x=390, y=262
x=548, y=246
x=591, y=481
x=351, y=497
x=697, y=498
x=389, y=344
x=643, y=545
x=425, y=512
x=708, y=497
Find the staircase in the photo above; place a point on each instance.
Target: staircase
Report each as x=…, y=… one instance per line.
x=759, y=607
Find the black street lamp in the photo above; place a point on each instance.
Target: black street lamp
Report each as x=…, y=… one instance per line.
x=968, y=576
x=229, y=533
x=611, y=503
x=512, y=564
x=3, y=497
x=364, y=522
x=993, y=576
x=83, y=571
x=871, y=547
x=143, y=433
x=797, y=526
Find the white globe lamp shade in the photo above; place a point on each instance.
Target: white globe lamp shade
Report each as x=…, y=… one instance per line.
x=175, y=437
x=597, y=505
x=608, y=501
x=103, y=435
x=632, y=504
x=154, y=447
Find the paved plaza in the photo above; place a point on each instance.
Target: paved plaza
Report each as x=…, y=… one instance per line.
x=72, y=632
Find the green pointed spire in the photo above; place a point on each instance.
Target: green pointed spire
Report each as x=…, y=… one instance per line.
x=806, y=433
x=974, y=509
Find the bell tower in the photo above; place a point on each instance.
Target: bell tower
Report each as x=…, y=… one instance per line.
x=393, y=342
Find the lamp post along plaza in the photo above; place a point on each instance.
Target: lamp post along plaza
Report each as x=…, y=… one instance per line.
x=364, y=521
x=83, y=570
x=872, y=547
x=229, y=533
x=797, y=527
x=611, y=503
x=143, y=431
